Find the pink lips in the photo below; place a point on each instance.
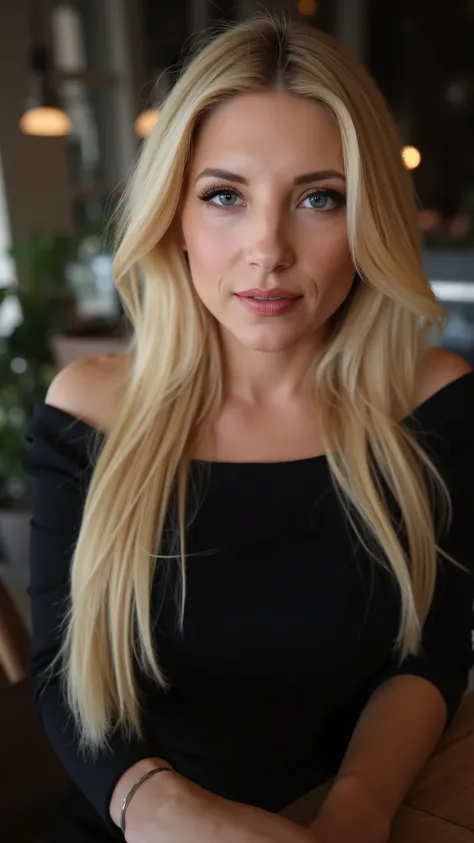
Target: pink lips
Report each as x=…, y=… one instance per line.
x=275, y=292
x=256, y=301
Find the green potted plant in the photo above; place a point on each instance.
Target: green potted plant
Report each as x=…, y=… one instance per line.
x=27, y=367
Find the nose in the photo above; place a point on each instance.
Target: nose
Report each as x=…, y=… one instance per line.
x=269, y=246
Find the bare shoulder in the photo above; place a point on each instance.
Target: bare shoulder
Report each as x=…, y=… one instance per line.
x=90, y=388
x=438, y=368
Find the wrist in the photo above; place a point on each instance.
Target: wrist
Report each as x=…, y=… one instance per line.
x=126, y=782
x=351, y=814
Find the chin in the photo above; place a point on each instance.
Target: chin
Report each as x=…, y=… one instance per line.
x=270, y=341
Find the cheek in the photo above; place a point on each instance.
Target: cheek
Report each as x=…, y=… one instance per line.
x=208, y=264
x=339, y=267
x=208, y=252
x=335, y=270
x=331, y=253
x=206, y=269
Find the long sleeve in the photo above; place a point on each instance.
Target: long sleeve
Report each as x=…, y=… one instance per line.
x=447, y=652
x=59, y=463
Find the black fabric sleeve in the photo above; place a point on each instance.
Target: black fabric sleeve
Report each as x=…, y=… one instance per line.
x=59, y=464
x=447, y=653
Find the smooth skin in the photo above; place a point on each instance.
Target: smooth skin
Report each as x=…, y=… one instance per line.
x=281, y=228
x=266, y=228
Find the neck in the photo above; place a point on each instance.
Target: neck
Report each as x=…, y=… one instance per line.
x=268, y=377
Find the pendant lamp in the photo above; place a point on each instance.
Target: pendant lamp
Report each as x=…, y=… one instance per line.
x=43, y=115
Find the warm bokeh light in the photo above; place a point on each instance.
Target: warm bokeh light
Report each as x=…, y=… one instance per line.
x=307, y=7
x=411, y=157
x=460, y=225
x=430, y=219
x=46, y=122
x=145, y=122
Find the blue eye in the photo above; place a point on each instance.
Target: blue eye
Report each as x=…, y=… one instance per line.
x=325, y=200
x=226, y=194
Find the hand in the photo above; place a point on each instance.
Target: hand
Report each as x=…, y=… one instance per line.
x=175, y=810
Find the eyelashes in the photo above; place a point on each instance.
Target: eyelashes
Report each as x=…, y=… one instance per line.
x=213, y=191
x=217, y=190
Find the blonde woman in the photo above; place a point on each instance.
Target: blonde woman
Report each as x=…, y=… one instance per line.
x=252, y=531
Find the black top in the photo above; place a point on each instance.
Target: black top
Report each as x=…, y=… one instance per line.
x=289, y=624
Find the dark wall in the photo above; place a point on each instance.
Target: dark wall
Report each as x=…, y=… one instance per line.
x=422, y=55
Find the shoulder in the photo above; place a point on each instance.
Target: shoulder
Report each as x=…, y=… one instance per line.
x=90, y=389
x=438, y=368
x=443, y=415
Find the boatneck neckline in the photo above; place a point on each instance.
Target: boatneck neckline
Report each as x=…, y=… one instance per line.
x=321, y=459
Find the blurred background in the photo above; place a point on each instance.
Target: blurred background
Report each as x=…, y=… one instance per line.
x=82, y=82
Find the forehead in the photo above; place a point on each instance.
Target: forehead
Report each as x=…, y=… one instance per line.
x=268, y=128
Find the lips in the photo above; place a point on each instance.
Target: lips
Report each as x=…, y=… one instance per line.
x=264, y=295
x=263, y=306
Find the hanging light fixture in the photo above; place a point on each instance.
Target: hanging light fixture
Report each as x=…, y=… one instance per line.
x=43, y=115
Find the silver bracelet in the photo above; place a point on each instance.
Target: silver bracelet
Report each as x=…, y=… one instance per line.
x=134, y=788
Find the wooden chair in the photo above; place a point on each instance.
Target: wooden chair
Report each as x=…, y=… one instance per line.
x=34, y=784
x=14, y=640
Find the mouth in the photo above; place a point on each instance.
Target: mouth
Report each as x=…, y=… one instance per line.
x=268, y=306
x=272, y=298
x=274, y=294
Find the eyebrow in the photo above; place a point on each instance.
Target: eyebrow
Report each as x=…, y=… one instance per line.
x=304, y=178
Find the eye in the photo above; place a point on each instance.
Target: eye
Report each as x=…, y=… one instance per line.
x=325, y=199
x=227, y=197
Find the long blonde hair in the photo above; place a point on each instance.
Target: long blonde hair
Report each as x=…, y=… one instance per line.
x=363, y=384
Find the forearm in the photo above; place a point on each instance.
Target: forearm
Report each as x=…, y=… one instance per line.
x=179, y=809
x=397, y=732
x=350, y=814
x=127, y=780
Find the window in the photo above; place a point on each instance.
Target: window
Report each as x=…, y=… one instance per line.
x=7, y=266
x=10, y=313
x=92, y=59
x=421, y=54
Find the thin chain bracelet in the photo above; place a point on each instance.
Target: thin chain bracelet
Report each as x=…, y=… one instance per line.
x=135, y=787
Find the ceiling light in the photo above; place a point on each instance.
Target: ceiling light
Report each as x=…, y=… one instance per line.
x=43, y=115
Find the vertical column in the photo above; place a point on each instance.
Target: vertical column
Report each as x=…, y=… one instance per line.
x=246, y=8
x=35, y=170
x=199, y=17
x=351, y=26
x=119, y=24
x=249, y=7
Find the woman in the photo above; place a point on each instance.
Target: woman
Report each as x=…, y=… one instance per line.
x=267, y=589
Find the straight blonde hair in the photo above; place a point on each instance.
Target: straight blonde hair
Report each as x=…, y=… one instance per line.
x=363, y=384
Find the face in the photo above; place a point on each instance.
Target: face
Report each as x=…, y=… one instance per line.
x=263, y=220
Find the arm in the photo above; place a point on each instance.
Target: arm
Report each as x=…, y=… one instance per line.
x=57, y=461
x=413, y=702
x=180, y=811
x=397, y=732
